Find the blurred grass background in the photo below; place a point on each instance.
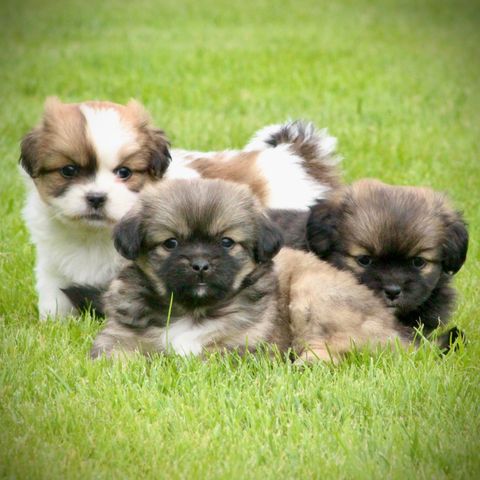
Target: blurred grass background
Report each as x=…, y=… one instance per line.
x=397, y=82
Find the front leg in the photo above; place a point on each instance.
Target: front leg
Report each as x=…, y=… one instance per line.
x=136, y=317
x=117, y=340
x=52, y=302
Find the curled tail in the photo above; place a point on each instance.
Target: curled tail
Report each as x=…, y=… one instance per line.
x=86, y=297
x=315, y=148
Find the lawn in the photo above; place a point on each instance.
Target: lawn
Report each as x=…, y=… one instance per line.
x=398, y=83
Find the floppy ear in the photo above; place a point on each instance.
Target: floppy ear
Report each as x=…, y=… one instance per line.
x=269, y=241
x=157, y=142
x=455, y=245
x=29, y=152
x=128, y=236
x=322, y=228
x=159, y=153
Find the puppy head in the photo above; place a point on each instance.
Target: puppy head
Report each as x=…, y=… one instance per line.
x=199, y=239
x=397, y=240
x=88, y=161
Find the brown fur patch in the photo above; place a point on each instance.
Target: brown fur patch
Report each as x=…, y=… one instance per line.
x=378, y=218
x=240, y=168
x=58, y=141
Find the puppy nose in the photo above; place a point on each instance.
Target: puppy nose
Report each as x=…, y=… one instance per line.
x=392, y=291
x=200, y=265
x=96, y=199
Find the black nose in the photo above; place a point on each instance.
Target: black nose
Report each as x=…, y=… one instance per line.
x=200, y=265
x=95, y=199
x=392, y=291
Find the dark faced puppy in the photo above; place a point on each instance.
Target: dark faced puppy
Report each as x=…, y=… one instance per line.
x=405, y=243
x=205, y=246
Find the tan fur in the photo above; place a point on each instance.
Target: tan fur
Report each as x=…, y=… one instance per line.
x=328, y=311
x=241, y=168
x=422, y=229
x=173, y=213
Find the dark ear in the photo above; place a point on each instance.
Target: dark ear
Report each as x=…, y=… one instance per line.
x=128, y=236
x=29, y=152
x=455, y=245
x=322, y=228
x=159, y=153
x=269, y=241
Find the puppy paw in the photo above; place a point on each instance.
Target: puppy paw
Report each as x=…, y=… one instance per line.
x=314, y=355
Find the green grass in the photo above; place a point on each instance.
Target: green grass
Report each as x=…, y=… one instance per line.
x=398, y=83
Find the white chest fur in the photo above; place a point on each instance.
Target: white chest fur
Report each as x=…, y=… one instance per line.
x=67, y=256
x=188, y=338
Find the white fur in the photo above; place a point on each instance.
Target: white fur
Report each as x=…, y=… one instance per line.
x=188, y=338
x=67, y=253
x=290, y=186
x=258, y=141
x=72, y=204
x=107, y=133
x=178, y=167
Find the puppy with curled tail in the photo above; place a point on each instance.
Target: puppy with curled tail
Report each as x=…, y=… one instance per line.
x=86, y=163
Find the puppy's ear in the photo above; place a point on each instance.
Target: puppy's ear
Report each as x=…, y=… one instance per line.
x=128, y=236
x=322, y=228
x=159, y=152
x=157, y=143
x=269, y=241
x=29, y=152
x=455, y=244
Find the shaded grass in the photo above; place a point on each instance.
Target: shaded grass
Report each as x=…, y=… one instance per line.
x=398, y=83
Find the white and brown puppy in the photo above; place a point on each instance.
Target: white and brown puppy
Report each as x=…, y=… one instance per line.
x=206, y=246
x=87, y=162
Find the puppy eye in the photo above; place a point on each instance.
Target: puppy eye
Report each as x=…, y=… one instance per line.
x=364, y=260
x=123, y=173
x=418, y=262
x=170, y=243
x=69, y=171
x=227, y=242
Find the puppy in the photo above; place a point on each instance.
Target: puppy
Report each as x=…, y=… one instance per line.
x=404, y=243
x=201, y=279
x=87, y=163
x=203, y=247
